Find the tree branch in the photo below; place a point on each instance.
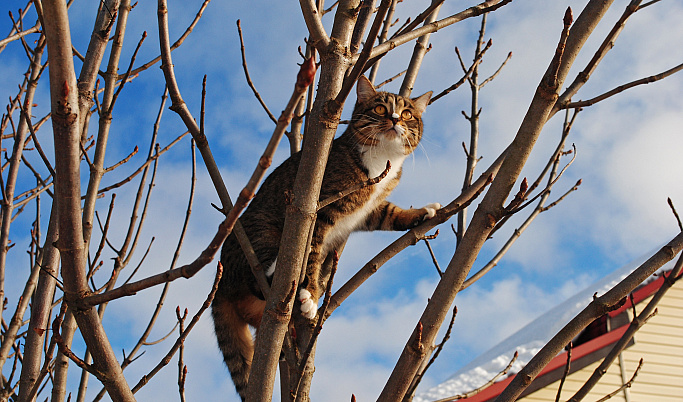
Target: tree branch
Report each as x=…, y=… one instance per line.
x=415, y=234
x=181, y=339
x=318, y=36
x=419, y=52
x=246, y=73
x=67, y=132
x=179, y=106
x=481, y=8
x=606, y=46
x=595, y=309
x=483, y=387
x=627, y=385
x=621, y=88
x=636, y=323
x=490, y=209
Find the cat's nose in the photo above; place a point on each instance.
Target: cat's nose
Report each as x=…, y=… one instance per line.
x=395, y=117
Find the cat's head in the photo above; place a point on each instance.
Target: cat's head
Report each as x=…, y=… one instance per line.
x=383, y=116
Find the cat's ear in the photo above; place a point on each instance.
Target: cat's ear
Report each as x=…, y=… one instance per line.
x=364, y=89
x=422, y=101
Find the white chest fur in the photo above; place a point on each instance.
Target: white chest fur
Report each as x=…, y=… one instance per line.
x=375, y=160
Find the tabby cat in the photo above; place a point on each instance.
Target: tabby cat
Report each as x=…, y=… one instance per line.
x=384, y=127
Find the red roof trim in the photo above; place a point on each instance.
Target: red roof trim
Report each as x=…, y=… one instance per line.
x=559, y=361
x=639, y=294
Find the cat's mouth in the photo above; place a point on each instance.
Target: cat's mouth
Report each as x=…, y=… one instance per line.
x=391, y=133
x=394, y=132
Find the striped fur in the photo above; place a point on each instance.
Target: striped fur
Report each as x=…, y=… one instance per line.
x=384, y=127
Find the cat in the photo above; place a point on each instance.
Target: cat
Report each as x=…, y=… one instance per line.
x=384, y=127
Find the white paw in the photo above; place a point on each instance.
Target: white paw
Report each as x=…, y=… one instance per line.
x=309, y=307
x=271, y=269
x=431, y=209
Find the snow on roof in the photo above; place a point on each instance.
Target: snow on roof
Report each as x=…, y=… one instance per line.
x=527, y=341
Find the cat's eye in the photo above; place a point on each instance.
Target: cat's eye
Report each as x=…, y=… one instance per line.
x=380, y=110
x=406, y=115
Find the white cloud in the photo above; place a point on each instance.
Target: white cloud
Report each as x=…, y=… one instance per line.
x=628, y=156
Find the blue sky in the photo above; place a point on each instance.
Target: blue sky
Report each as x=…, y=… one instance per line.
x=628, y=157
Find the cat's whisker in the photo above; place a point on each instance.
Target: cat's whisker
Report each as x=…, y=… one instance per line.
x=424, y=151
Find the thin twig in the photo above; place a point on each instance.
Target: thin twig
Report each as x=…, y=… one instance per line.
x=318, y=326
x=548, y=187
x=571, y=190
x=122, y=161
x=104, y=230
x=176, y=44
x=431, y=252
x=673, y=209
x=464, y=77
x=37, y=144
x=567, y=366
x=418, y=378
x=19, y=35
x=246, y=74
x=330, y=8
x=495, y=74
x=483, y=387
x=388, y=80
x=369, y=182
x=143, y=166
x=627, y=385
x=163, y=338
x=127, y=74
x=419, y=19
x=145, y=379
x=649, y=3
x=621, y=88
x=182, y=368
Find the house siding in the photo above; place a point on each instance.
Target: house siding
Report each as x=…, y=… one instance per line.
x=659, y=343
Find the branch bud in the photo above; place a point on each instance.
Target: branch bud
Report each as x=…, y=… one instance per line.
x=524, y=186
x=306, y=73
x=568, y=17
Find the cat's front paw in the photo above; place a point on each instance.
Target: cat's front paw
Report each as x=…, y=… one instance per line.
x=430, y=210
x=309, y=306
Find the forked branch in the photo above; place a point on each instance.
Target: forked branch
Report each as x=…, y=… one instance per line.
x=636, y=324
x=599, y=306
x=181, y=339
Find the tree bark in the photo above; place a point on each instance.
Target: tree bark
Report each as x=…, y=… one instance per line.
x=301, y=213
x=491, y=209
x=67, y=136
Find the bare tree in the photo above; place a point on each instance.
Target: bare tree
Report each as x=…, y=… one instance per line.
x=63, y=294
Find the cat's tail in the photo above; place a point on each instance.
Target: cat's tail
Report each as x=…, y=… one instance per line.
x=234, y=340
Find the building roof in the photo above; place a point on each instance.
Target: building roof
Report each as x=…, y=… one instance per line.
x=530, y=339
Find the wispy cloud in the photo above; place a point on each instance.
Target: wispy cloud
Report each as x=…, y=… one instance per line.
x=628, y=157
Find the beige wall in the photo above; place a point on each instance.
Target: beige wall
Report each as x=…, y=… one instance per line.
x=659, y=343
